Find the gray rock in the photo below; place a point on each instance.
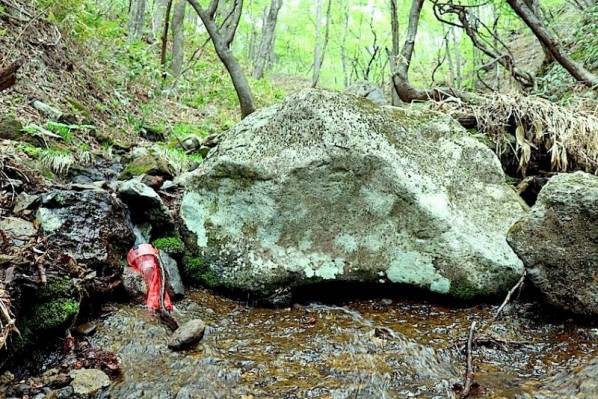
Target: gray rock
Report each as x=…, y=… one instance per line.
x=146, y=205
x=50, y=112
x=172, y=272
x=65, y=393
x=187, y=335
x=24, y=201
x=87, y=382
x=134, y=285
x=326, y=186
x=191, y=143
x=91, y=225
x=368, y=90
x=558, y=242
x=18, y=230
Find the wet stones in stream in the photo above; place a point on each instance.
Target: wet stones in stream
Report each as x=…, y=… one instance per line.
x=187, y=335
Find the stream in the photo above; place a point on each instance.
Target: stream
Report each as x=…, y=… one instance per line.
x=378, y=348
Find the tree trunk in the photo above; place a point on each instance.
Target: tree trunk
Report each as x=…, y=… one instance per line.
x=158, y=17
x=343, y=49
x=178, y=37
x=267, y=42
x=575, y=69
x=165, y=36
x=137, y=18
x=394, y=53
x=320, y=49
x=228, y=59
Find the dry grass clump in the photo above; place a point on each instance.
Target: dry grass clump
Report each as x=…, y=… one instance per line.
x=569, y=136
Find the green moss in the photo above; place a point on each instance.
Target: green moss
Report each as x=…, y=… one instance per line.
x=171, y=245
x=464, y=291
x=147, y=164
x=57, y=287
x=53, y=314
x=196, y=269
x=515, y=229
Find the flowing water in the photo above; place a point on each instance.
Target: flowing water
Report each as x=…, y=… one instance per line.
x=363, y=349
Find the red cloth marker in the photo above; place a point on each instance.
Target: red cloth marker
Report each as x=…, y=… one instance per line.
x=144, y=259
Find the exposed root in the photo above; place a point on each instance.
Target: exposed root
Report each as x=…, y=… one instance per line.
x=7, y=320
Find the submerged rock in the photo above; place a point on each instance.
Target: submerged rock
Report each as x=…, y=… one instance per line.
x=87, y=382
x=327, y=186
x=558, y=242
x=134, y=285
x=91, y=225
x=187, y=335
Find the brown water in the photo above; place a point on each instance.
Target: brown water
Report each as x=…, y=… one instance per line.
x=319, y=351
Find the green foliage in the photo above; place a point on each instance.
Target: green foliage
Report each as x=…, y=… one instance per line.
x=183, y=130
x=170, y=245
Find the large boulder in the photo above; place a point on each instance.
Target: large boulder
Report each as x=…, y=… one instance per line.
x=329, y=186
x=558, y=242
x=92, y=225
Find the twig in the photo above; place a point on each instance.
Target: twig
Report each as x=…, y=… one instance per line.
x=506, y=301
x=469, y=372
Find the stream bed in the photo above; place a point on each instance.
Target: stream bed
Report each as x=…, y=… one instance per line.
x=378, y=348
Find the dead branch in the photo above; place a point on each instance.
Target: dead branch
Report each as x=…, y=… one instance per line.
x=489, y=341
x=469, y=375
x=8, y=75
x=517, y=286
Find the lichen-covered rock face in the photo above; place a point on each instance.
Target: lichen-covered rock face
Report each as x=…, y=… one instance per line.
x=91, y=225
x=558, y=242
x=330, y=186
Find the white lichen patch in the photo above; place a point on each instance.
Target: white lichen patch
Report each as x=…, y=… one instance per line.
x=347, y=242
x=49, y=221
x=377, y=203
x=414, y=268
x=306, y=242
x=194, y=212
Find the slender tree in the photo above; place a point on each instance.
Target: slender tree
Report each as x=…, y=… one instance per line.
x=221, y=39
x=178, y=37
x=137, y=18
x=267, y=42
x=551, y=44
x=394, y=52
x=320, y=48
x=158, y=17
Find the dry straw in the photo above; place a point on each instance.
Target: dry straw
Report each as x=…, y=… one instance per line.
x=569, y=136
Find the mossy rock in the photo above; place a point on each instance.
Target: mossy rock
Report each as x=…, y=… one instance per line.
x=10, y=128
x=149, y=165
x=51, y=308
x=198, y=271
x=82, y=110
x=171, y=245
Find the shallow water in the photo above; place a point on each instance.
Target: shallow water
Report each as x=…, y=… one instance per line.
x=363, y=349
